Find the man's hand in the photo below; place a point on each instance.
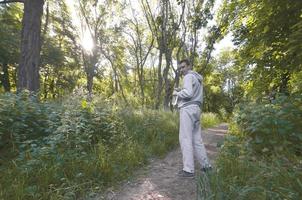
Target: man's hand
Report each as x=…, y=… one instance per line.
x=177, y=89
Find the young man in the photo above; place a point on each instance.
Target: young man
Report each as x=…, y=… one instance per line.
x=189, y=103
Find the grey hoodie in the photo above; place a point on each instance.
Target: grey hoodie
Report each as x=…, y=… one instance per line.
x=192, y=90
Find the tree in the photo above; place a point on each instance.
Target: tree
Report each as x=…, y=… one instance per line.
x=28, y=70
x=265, y=32
x=60, y=57
x=165, y=28
x=95, y=21
x=9, y=44
x=140, y=45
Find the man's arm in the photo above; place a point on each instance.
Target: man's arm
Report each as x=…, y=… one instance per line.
x=187, y=90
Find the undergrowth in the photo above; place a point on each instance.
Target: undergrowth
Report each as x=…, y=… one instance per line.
x=261, y=157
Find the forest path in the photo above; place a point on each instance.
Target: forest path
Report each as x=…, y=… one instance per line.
x=159, y=180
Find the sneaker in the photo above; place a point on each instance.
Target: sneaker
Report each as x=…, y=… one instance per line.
x=185, y=174
x=206, y=169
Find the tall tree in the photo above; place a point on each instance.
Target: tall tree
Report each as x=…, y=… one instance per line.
x=266, y=34
x=140, y=46
x=10, y=28
x=165, y=27
x=94, y=15
x=28, y=70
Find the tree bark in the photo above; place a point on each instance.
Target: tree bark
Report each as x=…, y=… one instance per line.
x=89, y=74
x=160, y=80
x=5, y=78
x=28, y=71
x=168, y=94
x=90, y=71
x=283, y=86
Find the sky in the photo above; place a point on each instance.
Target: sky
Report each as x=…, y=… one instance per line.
x=226, y=42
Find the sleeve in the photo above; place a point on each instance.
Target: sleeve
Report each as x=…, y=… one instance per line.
x=187, y=90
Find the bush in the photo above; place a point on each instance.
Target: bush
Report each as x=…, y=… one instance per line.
x=23, y=120
x=261, y=157
x=75, y=146
x=209, y=120
x=273, y=127
x=239, y=174
x=71, y=148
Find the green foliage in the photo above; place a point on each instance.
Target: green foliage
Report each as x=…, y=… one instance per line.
x=209, y=120
x=10, y=18
x=261, y=158
x=267, y=35
x=22, y=120
x=274, y=126
x=66, y=149
x=10, y=28
x=242, y=175
x=154, y=129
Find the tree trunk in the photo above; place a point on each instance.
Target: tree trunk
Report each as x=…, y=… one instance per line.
x=45, y=92
x=52, y=88
x=194, y=45
x=90, y=75
x=283, y=88
x=140, y=73
x=160, y=80
x=122, y=91
x=168, y=92
x=162, y=44
x=28, y=72
x=5, y=78
x=90, y=62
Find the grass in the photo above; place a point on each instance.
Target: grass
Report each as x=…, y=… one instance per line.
x=240, y=175
x=261, y=157
x=69, y=172
x=209, y=120
x=76, y=148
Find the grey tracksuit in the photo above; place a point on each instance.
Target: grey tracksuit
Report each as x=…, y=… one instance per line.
x=189, y=103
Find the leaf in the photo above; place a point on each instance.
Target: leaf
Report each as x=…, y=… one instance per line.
x=84, y=103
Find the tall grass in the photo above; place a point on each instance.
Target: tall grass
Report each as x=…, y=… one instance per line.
x=74, y=148
x=209, y=120
x=242, y=176
x=71, y=149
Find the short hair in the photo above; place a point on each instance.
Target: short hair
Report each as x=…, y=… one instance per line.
x=185, y=61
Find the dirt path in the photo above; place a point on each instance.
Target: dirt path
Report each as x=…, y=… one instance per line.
x=159, y=180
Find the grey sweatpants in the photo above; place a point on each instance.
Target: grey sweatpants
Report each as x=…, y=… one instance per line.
x=190, y=138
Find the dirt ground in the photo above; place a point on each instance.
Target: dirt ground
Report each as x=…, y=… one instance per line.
x=159, y=180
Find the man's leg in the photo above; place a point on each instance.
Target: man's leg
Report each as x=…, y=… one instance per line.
x=198, y=145
x=185, y=140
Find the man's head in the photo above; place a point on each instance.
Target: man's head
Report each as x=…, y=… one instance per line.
x=184, y=66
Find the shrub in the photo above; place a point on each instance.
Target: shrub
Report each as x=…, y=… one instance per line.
x=23, y=120
x=261, y=158
x=209, y=120
x=273, y=127
x=76, y=146
x=239, y=174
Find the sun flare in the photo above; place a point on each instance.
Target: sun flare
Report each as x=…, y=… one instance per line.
x=87, y=42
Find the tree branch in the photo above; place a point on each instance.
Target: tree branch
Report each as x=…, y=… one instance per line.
x=11, y=1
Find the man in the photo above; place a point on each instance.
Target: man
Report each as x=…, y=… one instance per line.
x=189, y=103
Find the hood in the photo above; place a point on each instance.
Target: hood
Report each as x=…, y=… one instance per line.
x=198, y=76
